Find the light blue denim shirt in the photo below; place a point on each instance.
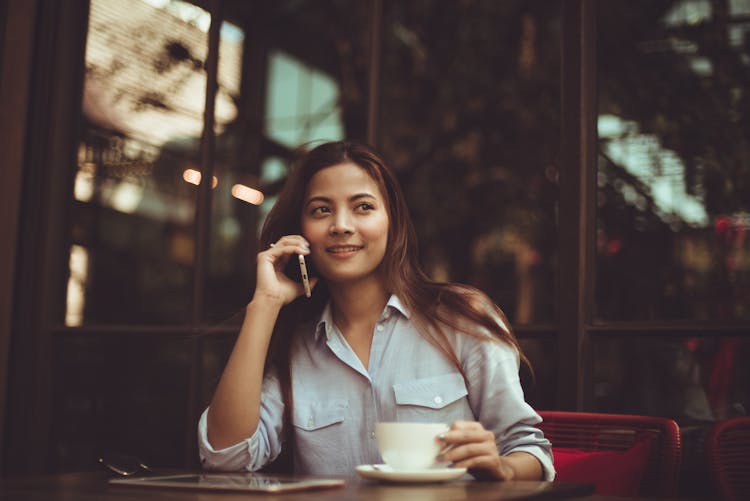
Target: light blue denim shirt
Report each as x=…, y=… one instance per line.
x=337, y=401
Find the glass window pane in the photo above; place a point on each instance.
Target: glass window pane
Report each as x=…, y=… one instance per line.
x=540, y=385
x=304, y=81
x=229, y=76
x=236, y=185
x=303, y=104
x=673, y=190
x=120, y=396
x=689, y=380
x=134, y=197
x=470, y=119
x=695, y=381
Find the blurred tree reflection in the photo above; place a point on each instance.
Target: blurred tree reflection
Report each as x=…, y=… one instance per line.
x=470, y=117
x=673, y=210
x=675, y=203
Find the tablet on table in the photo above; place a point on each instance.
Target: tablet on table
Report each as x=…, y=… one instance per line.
x=247, y=482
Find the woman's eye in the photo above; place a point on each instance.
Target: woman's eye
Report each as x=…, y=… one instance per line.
x=321, y=209
x=365, y=206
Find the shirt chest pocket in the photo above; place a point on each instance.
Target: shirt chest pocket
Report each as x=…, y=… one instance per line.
x=318, y=427
x=432, y=399
x=315, y=415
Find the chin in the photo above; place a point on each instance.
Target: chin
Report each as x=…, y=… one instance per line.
x=346, y=278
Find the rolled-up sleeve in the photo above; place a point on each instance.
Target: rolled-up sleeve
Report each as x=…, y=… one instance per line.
x=497, y=399
x=257, y=450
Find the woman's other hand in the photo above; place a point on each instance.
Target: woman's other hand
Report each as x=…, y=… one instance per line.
x=271, y=282
x=469, y=445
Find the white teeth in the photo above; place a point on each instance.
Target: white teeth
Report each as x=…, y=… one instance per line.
x=344, y=249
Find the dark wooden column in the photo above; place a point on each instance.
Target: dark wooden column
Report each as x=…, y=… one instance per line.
x=49, y=161
x=577, y=201
x=16, y=53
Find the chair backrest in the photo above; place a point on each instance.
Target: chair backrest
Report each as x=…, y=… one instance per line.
x=728, y=454
x=619, y=432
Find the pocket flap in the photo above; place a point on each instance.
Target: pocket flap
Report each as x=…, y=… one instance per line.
x=434, y=392
x=309, y=415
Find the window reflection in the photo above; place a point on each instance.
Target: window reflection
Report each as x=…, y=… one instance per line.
x=653, y=176
x=302, y=103
x=470, y=118
x=144, y=69
x=133, y=212
x=229, y=75
x=695, y=381
x=118, y=394
x=79, y=269
x=673, y=206
x=294, y=92
x=540, y=384
x=692, y=380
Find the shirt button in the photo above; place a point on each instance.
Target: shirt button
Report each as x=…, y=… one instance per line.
x=438, y=400
x=310, y=422
x=380, y=328
x=372, y=434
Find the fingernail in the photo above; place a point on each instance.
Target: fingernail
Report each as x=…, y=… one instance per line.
x=441, y=436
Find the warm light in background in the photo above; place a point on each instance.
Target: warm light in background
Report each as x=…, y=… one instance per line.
x=76, y=298
x=247, y=194
x=83, y=190
x=193, y=176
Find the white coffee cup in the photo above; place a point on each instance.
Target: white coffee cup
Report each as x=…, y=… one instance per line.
x=409, y=446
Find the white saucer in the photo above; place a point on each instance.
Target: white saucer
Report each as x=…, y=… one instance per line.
x=385, y=472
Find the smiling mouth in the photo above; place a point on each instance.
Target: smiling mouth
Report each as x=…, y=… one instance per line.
x=343, y=249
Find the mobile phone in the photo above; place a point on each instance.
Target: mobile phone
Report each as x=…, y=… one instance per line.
x=303, y=273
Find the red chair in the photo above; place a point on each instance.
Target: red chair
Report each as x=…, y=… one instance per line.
x=728, y=453
x=622, y=454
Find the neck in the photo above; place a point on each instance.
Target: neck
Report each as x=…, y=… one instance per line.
x=357, y=303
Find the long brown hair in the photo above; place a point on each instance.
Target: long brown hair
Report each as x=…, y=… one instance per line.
x=433, y=305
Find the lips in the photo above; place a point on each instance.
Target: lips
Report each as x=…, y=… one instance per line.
x=343, y=249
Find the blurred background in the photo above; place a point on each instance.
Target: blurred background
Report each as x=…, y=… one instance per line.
x=587, y=164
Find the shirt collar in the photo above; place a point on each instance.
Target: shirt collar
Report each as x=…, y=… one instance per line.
x=325, y=322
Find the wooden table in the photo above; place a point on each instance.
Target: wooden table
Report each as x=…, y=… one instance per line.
x=93, y=486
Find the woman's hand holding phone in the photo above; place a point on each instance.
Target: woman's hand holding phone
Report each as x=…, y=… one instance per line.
x=234, y=413
x=271, y=282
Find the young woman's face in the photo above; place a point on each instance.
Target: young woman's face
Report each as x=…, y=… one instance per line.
x=345, y=219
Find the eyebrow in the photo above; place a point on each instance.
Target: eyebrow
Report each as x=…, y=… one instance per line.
x=353, y=198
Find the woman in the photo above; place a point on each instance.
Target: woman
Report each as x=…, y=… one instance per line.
x=377, y=341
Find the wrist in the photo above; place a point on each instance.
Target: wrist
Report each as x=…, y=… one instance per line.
x=265, y=302
x=505, y=470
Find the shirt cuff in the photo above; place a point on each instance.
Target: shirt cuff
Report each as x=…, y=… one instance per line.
x=233, y=458
x=544, y=458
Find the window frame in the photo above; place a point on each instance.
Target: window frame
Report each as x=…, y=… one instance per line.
x=48, y=172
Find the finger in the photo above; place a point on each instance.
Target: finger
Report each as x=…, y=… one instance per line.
x=276, y=256
x=286, y=248
x=466, y=451
x=475, y=462
x=444, y=451
x=459, y=425
x=467, y=435
x=286, y=240
x=281, y=252
x=466, y=425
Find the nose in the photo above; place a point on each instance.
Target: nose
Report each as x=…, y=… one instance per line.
x=341, y=224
